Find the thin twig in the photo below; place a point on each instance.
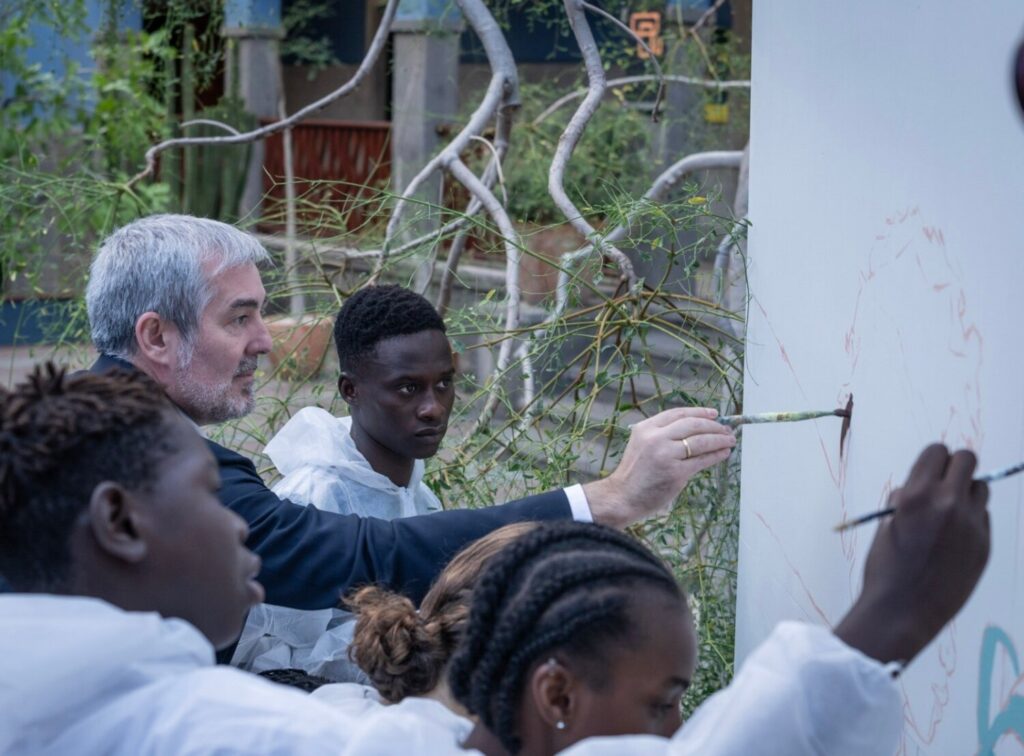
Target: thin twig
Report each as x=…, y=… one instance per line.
x=209, y=122
x=497, y=164
x=707, y=15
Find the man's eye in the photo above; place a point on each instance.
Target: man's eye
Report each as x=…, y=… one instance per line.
x=242, y=319
x=445, y=384
x=407, y=390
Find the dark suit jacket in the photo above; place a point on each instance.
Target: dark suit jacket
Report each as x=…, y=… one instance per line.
x=311, y=557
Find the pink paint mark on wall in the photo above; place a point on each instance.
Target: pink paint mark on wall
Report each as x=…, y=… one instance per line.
x=925, y=729
x=796, y=573
x=940, y=277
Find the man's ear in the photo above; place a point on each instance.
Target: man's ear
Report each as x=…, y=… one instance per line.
x=157, y=339
x=553, y=688
x=113, y=515
x=347, y=389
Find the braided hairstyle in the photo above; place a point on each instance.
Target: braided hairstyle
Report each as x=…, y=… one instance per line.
x=405, y=652
x=60, y=437
x=375, y=313
x=565, y=586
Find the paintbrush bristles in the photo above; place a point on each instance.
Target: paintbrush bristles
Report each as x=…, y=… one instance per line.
x=779, y=417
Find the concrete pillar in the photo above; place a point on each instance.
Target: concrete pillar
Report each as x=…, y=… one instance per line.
x=424, y=96
x=253, y=73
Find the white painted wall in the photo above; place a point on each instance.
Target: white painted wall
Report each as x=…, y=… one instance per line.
x=886, y=259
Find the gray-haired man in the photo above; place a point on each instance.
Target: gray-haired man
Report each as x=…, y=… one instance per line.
x=181, y=299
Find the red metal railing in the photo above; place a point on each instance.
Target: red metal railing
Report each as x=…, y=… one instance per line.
x=340, y=168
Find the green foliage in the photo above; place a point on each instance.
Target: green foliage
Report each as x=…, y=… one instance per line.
x=302, y=45
x=607, y=163
x=127, y=114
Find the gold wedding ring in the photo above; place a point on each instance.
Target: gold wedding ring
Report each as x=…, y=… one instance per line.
x=689, y=451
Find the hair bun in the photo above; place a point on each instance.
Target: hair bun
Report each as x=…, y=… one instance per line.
x=402, y=655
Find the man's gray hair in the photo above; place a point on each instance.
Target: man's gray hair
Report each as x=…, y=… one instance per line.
x=155, y=264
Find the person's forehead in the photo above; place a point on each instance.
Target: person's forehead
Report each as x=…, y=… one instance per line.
x=428, y=349
x=237, y=282
x=665, y=646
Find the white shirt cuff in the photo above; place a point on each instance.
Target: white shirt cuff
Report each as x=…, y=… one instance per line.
x=578, y=504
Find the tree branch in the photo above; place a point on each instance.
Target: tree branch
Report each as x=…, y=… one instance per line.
x=209, y=122
x=502, y=94
x=597, y=84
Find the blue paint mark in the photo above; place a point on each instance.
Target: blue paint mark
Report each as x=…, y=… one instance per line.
x=1011, y=718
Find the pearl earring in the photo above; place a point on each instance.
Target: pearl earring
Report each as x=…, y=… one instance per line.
x=559, y=725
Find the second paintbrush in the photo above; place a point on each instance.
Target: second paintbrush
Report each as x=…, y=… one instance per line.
x=1004, y=472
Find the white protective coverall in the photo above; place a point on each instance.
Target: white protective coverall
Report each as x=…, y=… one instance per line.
x=321, y=467
x=79, y=676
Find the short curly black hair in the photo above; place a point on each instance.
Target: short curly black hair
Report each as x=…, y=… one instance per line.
x=376, y=313
x=565, y=586
x=60, y=437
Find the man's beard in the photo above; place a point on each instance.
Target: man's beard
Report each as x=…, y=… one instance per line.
x=215, y=403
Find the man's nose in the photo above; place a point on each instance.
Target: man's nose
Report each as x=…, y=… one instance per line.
x=262, y=342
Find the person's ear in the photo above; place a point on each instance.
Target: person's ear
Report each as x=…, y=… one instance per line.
x=347, y=389
x=113, y=520
x=554, y=688
x=156, y=338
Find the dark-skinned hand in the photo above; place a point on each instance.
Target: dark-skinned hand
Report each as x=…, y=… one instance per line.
x=925, y=560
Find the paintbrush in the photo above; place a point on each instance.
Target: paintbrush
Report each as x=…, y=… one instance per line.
x=1005, y=472
x=780, y=417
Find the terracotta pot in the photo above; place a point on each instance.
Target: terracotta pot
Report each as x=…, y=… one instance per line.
x=300, y=345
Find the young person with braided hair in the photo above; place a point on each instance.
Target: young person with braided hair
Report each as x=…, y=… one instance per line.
x=579, y=640
x=127, y=573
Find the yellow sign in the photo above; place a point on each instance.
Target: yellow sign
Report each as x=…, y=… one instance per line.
x=716, y=112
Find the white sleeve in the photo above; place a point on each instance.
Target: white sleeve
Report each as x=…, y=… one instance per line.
x=802, y=692
x=578, y=504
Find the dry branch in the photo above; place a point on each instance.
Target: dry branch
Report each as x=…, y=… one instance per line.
x=501, y=97
x=596, y=86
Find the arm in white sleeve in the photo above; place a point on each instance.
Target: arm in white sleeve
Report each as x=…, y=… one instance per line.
x=802, y=692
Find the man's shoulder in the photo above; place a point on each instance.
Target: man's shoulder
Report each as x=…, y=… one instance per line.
x=234, y=467
x=224, y=454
